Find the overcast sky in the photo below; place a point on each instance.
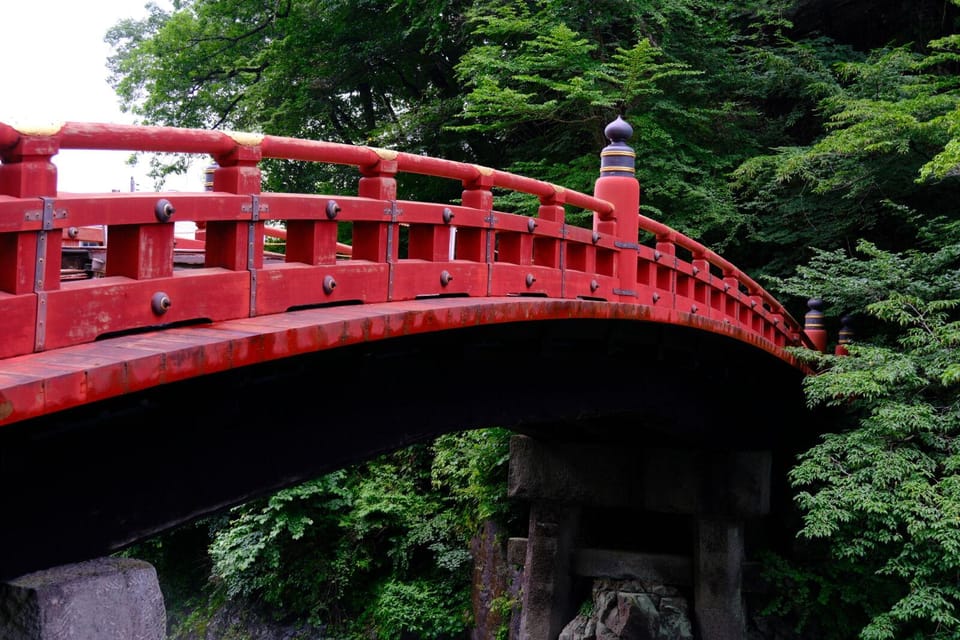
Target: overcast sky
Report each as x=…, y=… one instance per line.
x=53, y=69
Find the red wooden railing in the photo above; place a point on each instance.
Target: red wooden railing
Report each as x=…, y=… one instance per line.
x=468, y=249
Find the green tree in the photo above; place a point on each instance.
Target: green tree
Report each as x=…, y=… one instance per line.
x=543, y=79
x=881, y=491
x=883, y=168
x=378, y=549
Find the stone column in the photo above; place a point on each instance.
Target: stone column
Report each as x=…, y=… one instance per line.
x=106, y=599
x=718, y=578
x=546, y=600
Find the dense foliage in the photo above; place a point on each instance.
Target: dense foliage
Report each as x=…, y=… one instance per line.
x=379, y=549
x=881, y=494
x=828, y=166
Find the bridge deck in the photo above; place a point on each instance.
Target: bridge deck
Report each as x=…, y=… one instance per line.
x=36, y=384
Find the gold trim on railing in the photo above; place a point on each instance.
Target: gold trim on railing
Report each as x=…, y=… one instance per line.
x=385, y=154
x=245, y=139
x=38, y=128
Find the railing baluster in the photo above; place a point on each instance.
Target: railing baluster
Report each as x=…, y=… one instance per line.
x=30, y=260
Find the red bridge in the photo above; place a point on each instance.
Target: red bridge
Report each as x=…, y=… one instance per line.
x=139, y=391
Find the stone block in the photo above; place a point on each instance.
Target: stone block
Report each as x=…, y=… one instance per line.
x=102, y=599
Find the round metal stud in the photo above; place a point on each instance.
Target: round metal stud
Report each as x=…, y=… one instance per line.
x=160, y=302
x=329, y=284
x=445, y=277
x=164, y=210
x=656, y=296
x=73, y=232
x=530, y=280
x=657, y=255
x=596, y=237
x=753, y=303
x=726, y=287
x=695, y=271
x=447, y=215
x=693, y=308
x=332, y=209
x=531, y=224
x=594, y=285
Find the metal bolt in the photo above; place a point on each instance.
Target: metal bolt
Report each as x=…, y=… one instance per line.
x=164, y=210
x=160, y=302
x=445, y=277
x=73, y=232
x=530, y=280
x=657, y=255
x=531, y=225
x=753, y=303
x=726, y=287
x=594, y=285
x=656, y=296
x=696, y=271
x=693, y=308
x=332, y=209
x=447, y=215
x=596, y=237
x=329, y=284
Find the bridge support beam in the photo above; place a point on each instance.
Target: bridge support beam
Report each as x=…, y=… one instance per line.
x=546, y=604
x=713, y=493
x=107, y=599
x=718, y=578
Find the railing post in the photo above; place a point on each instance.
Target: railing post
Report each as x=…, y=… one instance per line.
x=374, y=241
x=227, y=243
x=30, y=260
x=476, y=244
x=618, y=185
x=813, y=325
x=233, y=245
x=845, y=336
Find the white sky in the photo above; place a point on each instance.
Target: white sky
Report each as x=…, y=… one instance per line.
x=53, y=69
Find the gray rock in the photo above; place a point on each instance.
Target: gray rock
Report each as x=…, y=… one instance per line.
x=103, y=599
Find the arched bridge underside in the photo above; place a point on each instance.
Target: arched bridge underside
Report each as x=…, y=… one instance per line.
x=147, y=378
x=217, y=414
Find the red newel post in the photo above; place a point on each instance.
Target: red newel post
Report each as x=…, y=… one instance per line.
x=618, y=185
x=845, y=336
x=813, y=325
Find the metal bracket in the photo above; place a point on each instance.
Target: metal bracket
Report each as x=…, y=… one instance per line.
x=40, y=335
x=394, y=212
x=255, y=208
x=625, y=292
x=620, y=244
x=46, y=215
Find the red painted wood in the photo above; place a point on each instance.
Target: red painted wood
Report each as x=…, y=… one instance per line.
x=141, y=251
x=401, y=251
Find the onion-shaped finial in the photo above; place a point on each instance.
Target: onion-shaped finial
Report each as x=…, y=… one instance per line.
x=617, y=158
x=618, y=131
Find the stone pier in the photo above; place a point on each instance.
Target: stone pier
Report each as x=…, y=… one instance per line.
x=706, y=496
x=102, y=599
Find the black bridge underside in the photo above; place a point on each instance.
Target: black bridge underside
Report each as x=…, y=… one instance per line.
x=91, y=480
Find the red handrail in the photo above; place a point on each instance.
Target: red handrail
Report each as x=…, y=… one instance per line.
x=496, y=255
